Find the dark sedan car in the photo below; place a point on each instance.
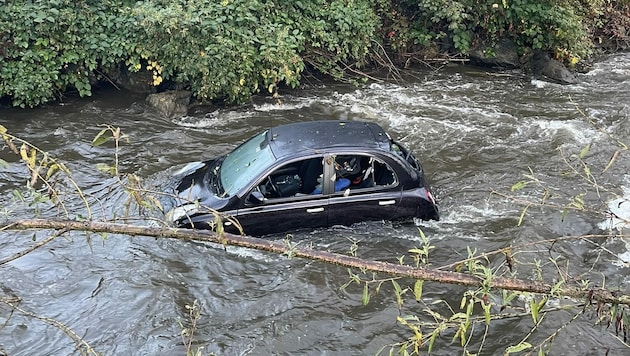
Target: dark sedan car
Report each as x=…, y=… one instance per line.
x=304, y=175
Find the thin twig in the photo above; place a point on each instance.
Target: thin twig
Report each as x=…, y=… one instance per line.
x=107, y=78
x=34, y=247
x=82, y=346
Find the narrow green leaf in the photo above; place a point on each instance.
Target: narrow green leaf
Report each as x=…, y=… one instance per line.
x=534, y=310
x=366, y=294
x=462, y=336
x=585, y=150
x=434, y=336
x=546, y=196
x=519, y=185
x=417, y=289
x=556, y=287
x=486, y=312
x=156, y=203
x=520, y=219
x=469, y=309
x=100, y=138
x=423, y=237
x=378, y=287
x=458, y=316
x=106, y=168
x=625, y=318
x=18, y=195
x=518, y=348
x=398, y=292
x=51, y=170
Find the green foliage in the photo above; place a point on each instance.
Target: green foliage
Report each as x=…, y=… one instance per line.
x=232, y=49
x=188, y=331
x=338, y=33
x=49, y=47
x=45, y=172
x=558, y=26
x=226, y=49
x=611, y=23
x=221, y=49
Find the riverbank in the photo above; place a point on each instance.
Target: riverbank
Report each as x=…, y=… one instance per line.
x=228, y=51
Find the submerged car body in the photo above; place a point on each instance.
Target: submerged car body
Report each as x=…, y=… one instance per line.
x=304, y=175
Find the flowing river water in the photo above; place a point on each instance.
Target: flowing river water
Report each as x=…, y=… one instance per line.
x=476, y=132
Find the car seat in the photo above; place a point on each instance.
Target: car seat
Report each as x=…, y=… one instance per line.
x=309, y=171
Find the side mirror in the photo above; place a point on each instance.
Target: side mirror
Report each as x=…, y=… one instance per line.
x=256, y=197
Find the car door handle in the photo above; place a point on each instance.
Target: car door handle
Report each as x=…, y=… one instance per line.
x=387, y=202
x=315, y=210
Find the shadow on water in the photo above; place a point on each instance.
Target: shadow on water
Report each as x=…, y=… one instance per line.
x=474, y=132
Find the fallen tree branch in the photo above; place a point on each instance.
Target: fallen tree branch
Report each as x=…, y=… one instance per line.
x=599, y=295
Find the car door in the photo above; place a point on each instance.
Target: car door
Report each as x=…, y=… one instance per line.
x=286, y=199
x=373, y=192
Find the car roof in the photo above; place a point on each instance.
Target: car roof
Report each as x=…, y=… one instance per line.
x=288, y=139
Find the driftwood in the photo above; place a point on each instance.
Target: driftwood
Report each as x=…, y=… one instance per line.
x=61, y=226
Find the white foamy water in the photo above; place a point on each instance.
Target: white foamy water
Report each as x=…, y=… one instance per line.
x=619, y=209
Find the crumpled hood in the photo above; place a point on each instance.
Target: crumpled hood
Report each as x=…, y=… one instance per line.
x=189, y=191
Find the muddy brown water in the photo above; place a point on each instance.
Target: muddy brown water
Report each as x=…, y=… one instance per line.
x=475, y=132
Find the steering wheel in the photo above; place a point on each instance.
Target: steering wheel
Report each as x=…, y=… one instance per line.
x=274, y=188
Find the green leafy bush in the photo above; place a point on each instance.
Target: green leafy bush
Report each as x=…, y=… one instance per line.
x=550, y=25
x=232, y=49
x=554, y=25
x=339, y=33
x=226, y=49
x=221, y=49
x=49, y=47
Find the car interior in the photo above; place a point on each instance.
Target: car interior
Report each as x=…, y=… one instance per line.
x=304, y=178
x=369, y=172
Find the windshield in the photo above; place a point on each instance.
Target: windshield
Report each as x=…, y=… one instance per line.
x=245, y=163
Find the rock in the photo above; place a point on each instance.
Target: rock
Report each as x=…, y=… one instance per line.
x=544, y=66
x=503, y=55
x=137, y=82
x=172, y=103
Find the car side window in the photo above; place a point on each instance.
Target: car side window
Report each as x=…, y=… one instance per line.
x=294, y=179
x=384, y=175
x=361, y=172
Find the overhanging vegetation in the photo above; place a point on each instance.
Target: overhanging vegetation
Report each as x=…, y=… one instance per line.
x=229, y=50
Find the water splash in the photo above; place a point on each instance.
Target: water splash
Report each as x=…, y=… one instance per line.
x=619, y=209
